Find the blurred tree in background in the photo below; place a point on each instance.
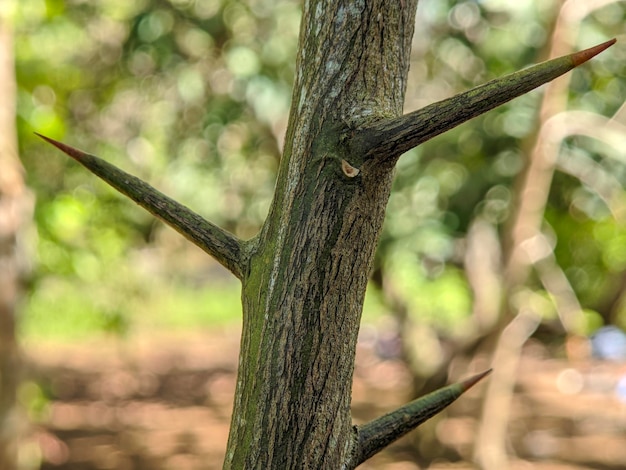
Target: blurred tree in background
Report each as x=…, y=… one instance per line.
x=509, y=211
x=15, y=213
x=196, y=94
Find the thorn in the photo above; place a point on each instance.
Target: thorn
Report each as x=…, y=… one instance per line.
x=469, y=383
x=70, y=151
x=382, y=431
x=581, y=57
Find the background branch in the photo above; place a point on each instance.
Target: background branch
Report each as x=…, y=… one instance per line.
x=525, y=229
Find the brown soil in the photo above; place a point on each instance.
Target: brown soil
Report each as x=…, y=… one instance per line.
x=164, y=403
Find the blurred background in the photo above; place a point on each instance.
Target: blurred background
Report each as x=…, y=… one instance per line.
x=504, y=243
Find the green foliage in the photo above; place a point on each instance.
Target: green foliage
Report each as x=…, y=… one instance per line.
x=195, y=95
x=445, y=184
x=34, y=400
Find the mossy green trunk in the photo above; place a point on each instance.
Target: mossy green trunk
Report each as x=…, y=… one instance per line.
x=308, y=269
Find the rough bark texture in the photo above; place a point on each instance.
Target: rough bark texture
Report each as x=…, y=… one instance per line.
x=303, y=294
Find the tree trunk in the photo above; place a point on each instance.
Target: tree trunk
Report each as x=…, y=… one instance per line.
x=304, y=275
x=303, y=295
x=14, y=211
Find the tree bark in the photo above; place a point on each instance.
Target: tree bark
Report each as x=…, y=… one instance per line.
x=303, y=294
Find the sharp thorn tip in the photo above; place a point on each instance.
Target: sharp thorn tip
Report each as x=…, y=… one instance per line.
x=67, y=149
x=469, y=383
x=583, y=56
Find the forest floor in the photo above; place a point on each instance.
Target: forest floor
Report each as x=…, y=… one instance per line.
x=164, y=403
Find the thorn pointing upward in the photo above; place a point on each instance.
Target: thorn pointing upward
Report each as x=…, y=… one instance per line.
x=387, y=139
x=581, y=57
x=469, y=383
x=379, y=433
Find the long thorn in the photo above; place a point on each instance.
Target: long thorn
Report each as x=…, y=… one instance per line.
x=220, y=244
x=379, y=433
x=387, y=139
